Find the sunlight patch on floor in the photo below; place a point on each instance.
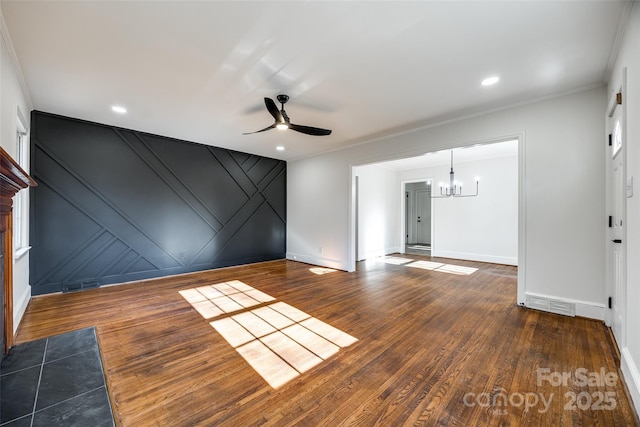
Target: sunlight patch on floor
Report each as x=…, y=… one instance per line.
x=277, y=340
x=443, y=268
x=213, y=300
x=428, y=265
x=281, y=342
x=395, y=260
x=321, y=270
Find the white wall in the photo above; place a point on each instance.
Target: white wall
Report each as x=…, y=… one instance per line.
x=378, y=232
x=561, y=254
x=13, y=101
x=629, y=58
x=483, y=228
x=314, y=196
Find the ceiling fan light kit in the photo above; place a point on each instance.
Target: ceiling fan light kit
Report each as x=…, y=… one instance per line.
x=283, y=122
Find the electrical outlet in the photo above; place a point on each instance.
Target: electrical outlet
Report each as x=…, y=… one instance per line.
x=182, y=255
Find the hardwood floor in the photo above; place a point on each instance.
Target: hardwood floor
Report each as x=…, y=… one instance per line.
x=434, y=348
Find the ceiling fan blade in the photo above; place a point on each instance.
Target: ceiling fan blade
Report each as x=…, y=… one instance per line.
x=273, y=109
x=261, y=130
x=309, y=130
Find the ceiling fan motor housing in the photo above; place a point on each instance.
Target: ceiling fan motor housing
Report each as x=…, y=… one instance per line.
x=282, y=119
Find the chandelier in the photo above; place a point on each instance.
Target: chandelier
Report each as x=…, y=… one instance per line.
x=455, y=188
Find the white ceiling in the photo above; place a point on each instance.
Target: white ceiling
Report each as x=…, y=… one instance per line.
x=198, y=71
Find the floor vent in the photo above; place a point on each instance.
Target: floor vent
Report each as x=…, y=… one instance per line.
x=551, y=305
x=79, y=285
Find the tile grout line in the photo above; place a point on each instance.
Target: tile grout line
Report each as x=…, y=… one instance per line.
x=15, y=419
x=94, y=348
x=35, y=401
x=20, y=370
x=70, y=355
x=70, y=398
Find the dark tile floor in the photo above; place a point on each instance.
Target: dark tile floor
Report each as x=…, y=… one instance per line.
x=56, y=381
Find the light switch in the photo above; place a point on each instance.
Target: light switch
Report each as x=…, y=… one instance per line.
x=630, y=187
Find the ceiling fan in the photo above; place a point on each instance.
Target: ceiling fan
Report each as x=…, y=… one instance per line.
x=282, y=119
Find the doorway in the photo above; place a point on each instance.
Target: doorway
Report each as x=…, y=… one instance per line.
x=468, y=228
x=418, y=218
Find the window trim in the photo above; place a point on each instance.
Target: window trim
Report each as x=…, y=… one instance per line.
x=20, y=208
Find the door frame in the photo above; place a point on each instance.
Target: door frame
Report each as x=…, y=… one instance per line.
x=403, y=212
x=610, y=200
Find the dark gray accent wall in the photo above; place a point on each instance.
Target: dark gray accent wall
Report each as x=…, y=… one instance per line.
x=115, y=205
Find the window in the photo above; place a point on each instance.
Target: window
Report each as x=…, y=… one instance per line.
x=20, y=242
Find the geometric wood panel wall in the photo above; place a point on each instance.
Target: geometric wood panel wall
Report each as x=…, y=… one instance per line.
x=115, y=205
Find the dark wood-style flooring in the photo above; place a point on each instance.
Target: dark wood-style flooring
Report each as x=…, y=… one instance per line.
x=433, y=348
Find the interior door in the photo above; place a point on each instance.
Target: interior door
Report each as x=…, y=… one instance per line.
x=617, y=263
x=423, y=203
x=409, y=216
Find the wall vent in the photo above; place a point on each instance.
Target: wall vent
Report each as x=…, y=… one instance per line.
x=551, y=305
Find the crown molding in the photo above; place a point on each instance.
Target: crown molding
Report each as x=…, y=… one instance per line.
x=617, y=42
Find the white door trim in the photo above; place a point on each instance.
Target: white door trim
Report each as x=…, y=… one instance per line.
x=618, y=293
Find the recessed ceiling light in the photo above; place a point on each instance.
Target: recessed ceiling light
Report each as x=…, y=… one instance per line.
x=490, y=81
x=280, y=148
x=118, y=109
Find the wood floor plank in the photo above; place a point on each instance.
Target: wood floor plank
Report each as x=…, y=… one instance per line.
x=433, y=348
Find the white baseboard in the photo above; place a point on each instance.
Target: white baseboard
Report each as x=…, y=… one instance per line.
x=586, y=309
x=373, y=254
x=380, y=253
x=394, y=250
x=631, y=377
x=321, y=262
x=20, y=306
x=590, y=310
x=475, y=257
